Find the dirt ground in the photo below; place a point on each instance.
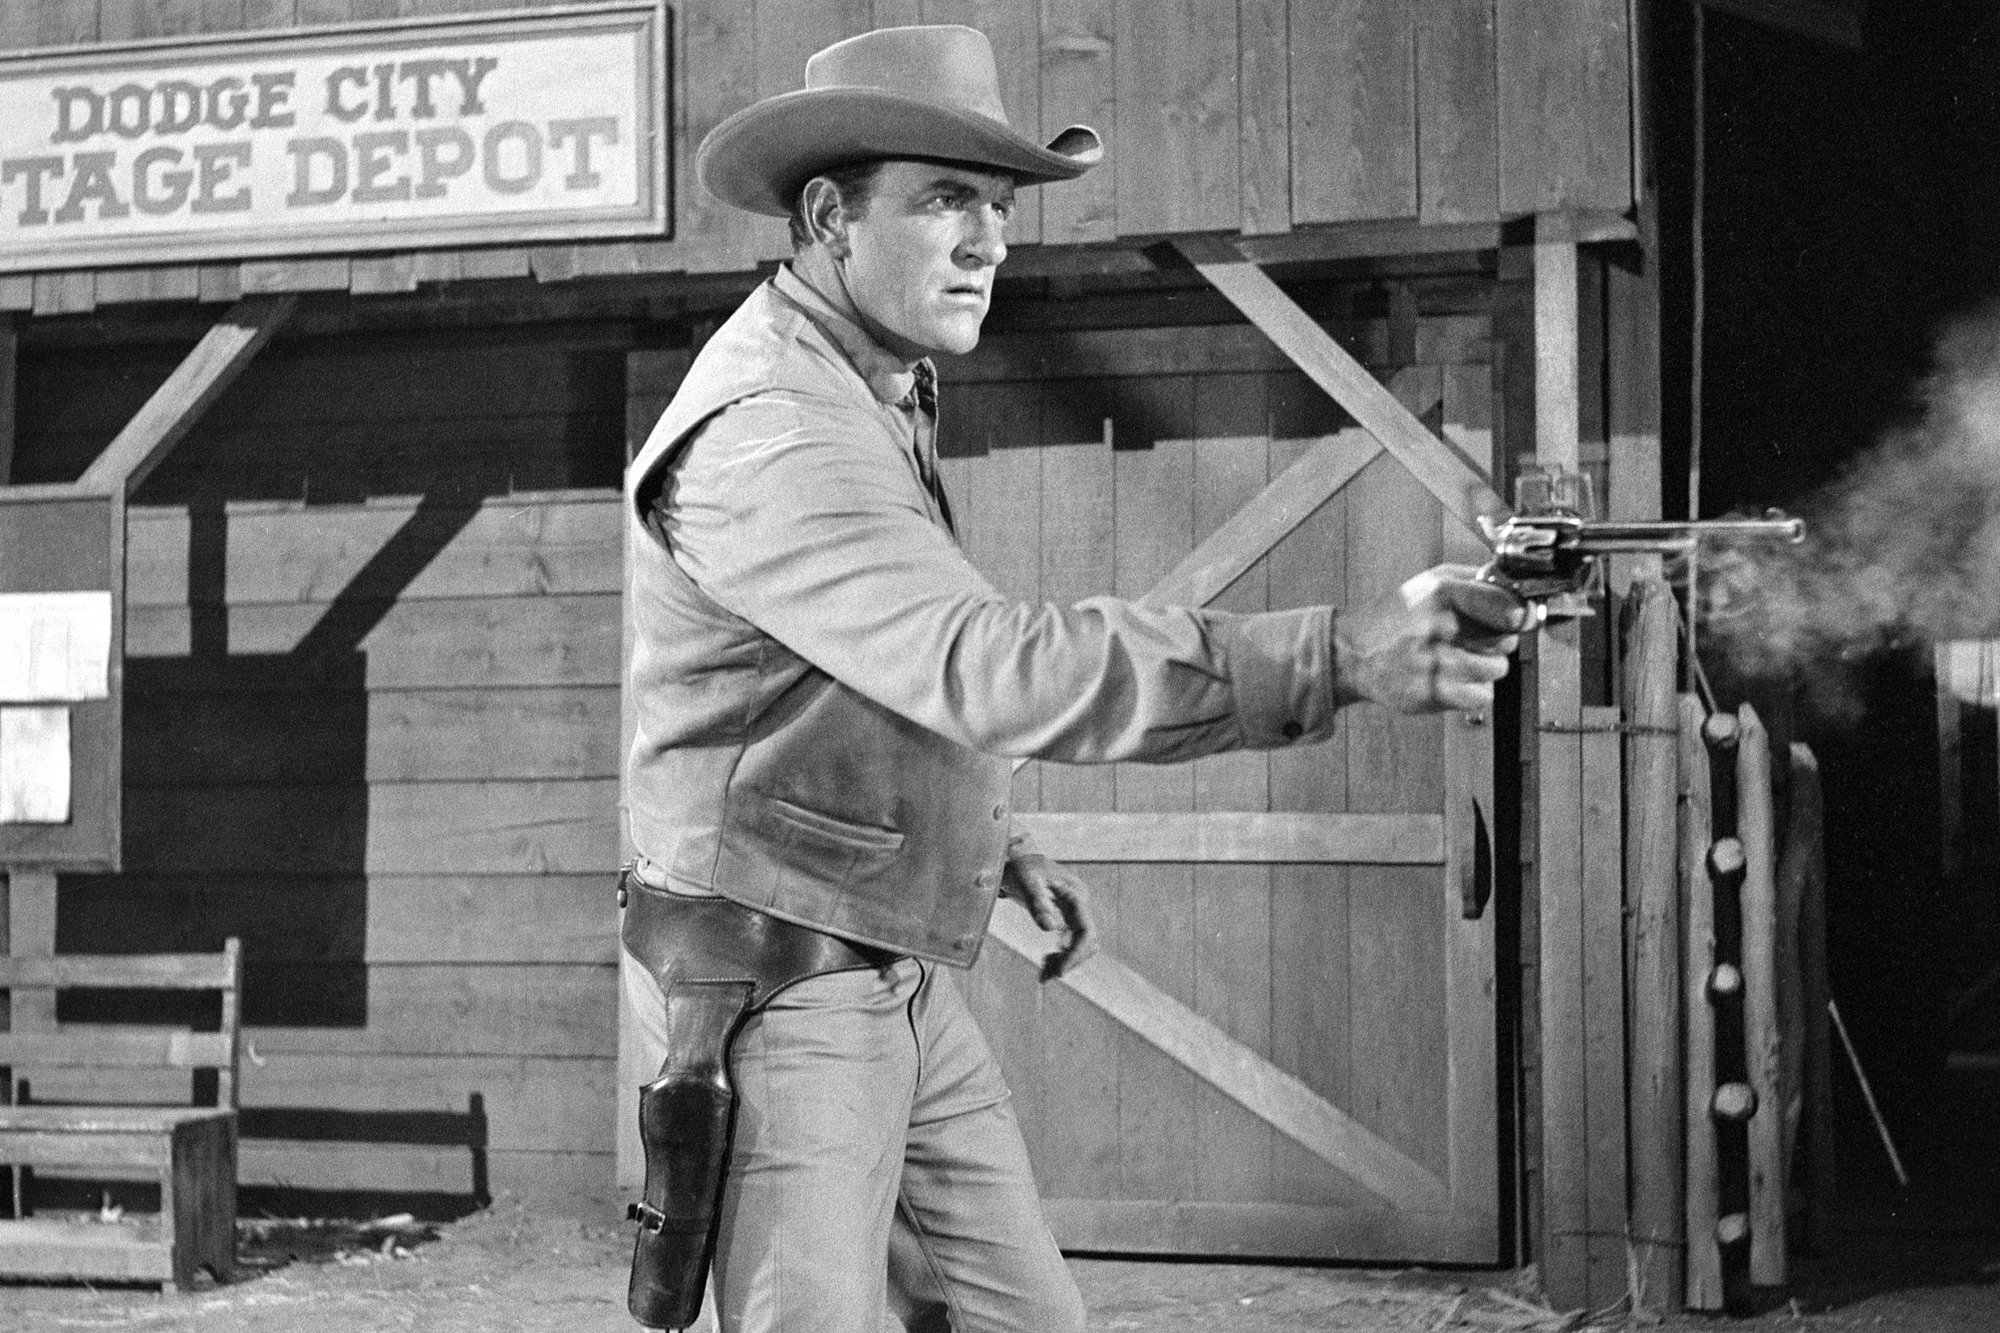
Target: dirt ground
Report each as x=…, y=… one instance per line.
x=505, y=1270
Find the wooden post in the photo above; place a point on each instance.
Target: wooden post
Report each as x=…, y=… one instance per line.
x=1762, y=1039
x=1800, y=845
x=1567, y=1162
x=1807, y=850
x=1602, y=932
x=31, y=933
x=1652, y=896
x=1703, y=1194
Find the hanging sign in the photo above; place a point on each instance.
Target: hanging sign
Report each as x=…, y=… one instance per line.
x=62, y=649
x=533, y=126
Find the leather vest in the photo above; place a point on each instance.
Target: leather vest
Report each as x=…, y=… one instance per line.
x=757, y=776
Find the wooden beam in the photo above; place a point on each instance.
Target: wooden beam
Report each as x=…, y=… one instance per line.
x=1260, y=1087
x=1603, y=982
x=120, y=1047
x=1249, y=534
x=1239, y=837
x=1834, y=21
x=1568, y=1162
x=197, y=382
x=1558, y=404
x=144, y=971
x=1267, y=1231
x=1204, y=573
x=1460, y=486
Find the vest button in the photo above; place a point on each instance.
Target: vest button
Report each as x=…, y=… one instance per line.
x=999, y=812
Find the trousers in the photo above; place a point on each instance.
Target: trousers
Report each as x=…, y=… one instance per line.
x=878, y=1180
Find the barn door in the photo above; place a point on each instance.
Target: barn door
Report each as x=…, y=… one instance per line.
x=1288, y=1049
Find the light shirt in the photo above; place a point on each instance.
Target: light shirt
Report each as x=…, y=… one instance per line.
x=781, y=513
x=825, y=691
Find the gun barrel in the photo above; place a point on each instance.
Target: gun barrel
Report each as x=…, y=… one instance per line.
x=1671, y=538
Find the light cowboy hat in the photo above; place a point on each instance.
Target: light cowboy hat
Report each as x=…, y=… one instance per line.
x=918, y=92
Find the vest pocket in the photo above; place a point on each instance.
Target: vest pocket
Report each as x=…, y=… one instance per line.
x=811, y=842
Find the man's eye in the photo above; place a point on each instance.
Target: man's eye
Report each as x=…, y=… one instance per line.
x=1005, y=210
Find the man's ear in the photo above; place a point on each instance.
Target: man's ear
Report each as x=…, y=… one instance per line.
x=826, y=217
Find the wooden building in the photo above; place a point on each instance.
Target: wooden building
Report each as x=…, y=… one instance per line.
x=372, y=617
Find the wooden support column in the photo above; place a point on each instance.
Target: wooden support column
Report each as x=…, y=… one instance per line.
x=28, y=930
x=1577, y=836
x=1557, y=708
x=1805, y=849
x=31, y=933
x=1601, y=933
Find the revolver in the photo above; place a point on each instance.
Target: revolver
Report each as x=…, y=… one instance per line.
x=1551, y=548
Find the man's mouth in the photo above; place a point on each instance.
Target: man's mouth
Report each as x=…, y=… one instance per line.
x=968, y=290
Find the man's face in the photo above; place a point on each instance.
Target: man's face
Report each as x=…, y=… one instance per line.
x=921, y=256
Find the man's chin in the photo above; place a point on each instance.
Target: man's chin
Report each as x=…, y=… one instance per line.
x=958, y=339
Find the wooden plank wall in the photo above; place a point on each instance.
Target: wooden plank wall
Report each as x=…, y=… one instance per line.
x=372, y=729
x=1221, y=115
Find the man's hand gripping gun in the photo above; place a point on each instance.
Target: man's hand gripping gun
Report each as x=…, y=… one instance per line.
x=1549, y=551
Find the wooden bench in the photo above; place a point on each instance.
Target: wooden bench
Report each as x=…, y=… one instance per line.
x=191, y=1150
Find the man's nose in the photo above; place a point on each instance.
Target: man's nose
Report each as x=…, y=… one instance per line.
x=986, y=236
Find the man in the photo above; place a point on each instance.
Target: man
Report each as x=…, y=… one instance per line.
x=828, y=695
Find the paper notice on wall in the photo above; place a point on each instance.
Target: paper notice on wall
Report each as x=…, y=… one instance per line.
x=55, y=647
x=34, y=765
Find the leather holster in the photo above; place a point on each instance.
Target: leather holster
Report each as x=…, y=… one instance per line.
x=717, y=963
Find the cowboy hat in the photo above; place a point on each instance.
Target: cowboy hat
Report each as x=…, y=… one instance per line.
x=917, y=92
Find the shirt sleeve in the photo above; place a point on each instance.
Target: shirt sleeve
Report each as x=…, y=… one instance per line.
x=804, y=519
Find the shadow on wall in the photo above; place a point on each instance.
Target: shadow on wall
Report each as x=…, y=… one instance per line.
x=246, y=781
x=246, y=771
x=250, y=805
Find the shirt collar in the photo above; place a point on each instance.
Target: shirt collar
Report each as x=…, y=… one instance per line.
x=889, y=378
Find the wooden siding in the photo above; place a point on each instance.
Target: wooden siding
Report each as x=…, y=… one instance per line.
x=372, y=727
x=1220, y=115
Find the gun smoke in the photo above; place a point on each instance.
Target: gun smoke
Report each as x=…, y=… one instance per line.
x=1902, y=549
